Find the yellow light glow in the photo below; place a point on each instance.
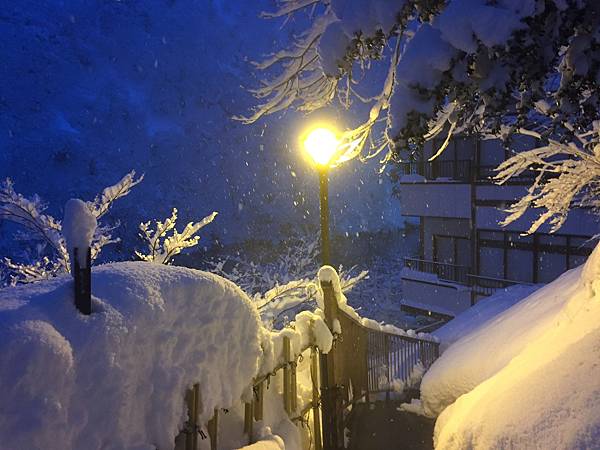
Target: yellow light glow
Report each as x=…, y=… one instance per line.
x=321, y=144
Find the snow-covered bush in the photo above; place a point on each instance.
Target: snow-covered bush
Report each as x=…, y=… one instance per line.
x=285, y=284
x=41, y=227
x=162, y=246
x=119, y=379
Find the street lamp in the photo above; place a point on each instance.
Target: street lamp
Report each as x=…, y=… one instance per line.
x=322, y=145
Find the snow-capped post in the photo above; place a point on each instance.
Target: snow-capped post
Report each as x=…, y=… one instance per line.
x=330, y=402
x=79, y=226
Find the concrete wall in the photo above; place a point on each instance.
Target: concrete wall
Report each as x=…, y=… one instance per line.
x=439, y=298
x=433, y=199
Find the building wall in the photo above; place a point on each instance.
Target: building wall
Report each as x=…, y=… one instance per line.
x=433, y=199
x=437, y=226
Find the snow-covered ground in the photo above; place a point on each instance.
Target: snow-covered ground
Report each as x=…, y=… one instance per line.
x=116, y=379
x=526, y=376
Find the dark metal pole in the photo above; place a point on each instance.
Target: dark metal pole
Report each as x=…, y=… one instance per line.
x=324, y=203
x=83, y=280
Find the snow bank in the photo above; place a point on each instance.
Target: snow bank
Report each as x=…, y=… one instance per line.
x=267, y=441
x=478, y=316
x=483, y=352
x=116, y=379
x=528, y=379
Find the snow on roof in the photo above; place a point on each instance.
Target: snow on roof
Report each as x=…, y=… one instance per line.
x=529, y=377
x=117, y=378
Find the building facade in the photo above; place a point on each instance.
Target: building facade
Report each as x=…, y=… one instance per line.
x=464, y=252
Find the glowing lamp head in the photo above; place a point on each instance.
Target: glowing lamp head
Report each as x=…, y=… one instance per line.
x=321, y=144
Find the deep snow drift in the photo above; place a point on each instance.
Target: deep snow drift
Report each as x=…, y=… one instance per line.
x=116, y=379
x=528, y=378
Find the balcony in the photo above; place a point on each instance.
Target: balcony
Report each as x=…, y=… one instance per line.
x=444, y=271
x=446, y=289
x=435, y=287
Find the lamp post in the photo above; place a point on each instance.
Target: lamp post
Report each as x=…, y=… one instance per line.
x=322, y=144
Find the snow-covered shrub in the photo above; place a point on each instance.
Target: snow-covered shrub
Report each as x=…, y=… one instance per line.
x=41, y=227
x=162, y=246
x=119, y=380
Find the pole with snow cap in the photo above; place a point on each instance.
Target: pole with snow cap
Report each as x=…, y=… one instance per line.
x=78, y=227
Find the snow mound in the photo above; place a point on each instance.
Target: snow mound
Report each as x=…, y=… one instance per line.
x=530, y=377
x=483, y=312
x=116, y=379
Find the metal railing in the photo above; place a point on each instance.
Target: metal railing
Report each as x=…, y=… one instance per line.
x=394, y=358
x=485, y=286
x=459, y=170
x=444, y=271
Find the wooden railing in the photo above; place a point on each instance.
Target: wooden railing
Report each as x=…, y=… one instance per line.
x=362, y=362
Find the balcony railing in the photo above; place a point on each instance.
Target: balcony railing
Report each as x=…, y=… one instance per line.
x=486, y=286
x=459, y=170
x=444, y=271
x=464, y=170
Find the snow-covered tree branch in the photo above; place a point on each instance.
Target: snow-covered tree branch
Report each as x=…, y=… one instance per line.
x=286, y=283
x=461, y=65
x=162, y=246
x=567, y=175
x=29, y=212
x=110, y=194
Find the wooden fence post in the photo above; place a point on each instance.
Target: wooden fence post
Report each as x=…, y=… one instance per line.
x=294, y=387
x=330, y=402
x=213, y=430
x=248, y=420
x=193, y=402
x=258, y=403
x=287, y=376
x=314, y=373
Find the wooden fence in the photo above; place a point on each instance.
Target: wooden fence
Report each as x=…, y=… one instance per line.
x=362, y=362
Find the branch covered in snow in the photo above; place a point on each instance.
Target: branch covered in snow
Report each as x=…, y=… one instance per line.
x=29, y=212
x=161, y=246
x=110, y=194
x=457, y=65
x=42, y=269
x=285, y=284
x=567, y=176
